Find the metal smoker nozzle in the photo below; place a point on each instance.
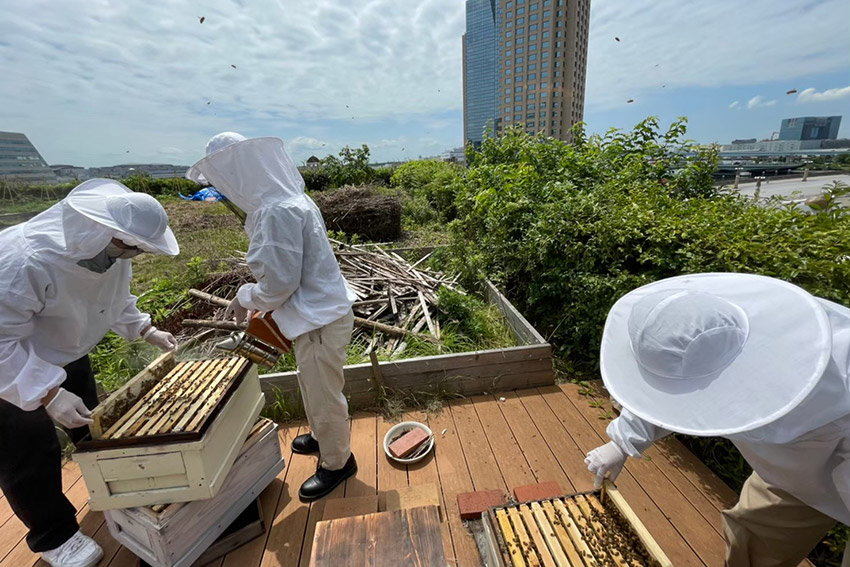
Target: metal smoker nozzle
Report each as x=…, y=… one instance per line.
x=246, y=346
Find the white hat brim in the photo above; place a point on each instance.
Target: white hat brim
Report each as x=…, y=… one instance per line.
x=89, y=199
x=786, y=353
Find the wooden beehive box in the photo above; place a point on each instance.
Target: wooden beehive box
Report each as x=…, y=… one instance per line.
x=171, y=434
x=590, y=529
x=176, y=535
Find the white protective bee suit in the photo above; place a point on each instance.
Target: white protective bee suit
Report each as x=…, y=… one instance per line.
x=54, y=311
x=298, y=277
x=774, y=382
x=63, y=288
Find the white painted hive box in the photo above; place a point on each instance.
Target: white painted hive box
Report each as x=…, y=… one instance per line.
x=171, y=434
x=176, y=535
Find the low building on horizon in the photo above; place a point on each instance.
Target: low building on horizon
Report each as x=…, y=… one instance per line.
x=22, y=164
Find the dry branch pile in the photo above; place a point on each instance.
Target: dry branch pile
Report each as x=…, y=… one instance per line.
x=396, y=299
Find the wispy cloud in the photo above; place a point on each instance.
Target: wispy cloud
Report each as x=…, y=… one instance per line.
x=735, y=104
x=146, y=74
x=667, y=44
x=759, y=101
x=812, y=95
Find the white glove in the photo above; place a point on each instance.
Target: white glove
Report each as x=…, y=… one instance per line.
x=607, y=460
x=163, y=340
x=68, y=409
x=239, y=313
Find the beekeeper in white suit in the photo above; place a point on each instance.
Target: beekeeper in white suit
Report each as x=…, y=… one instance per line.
x=65, y=276
x=299, y=281
x=755, y=360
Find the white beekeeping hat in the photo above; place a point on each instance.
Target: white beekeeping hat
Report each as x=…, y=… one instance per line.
x=714, y=354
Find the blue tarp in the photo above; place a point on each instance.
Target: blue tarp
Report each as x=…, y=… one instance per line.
x=205, y=194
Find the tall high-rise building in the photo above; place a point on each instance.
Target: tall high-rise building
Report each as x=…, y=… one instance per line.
x=524, y=63
x=810, y=128
x=21, y=163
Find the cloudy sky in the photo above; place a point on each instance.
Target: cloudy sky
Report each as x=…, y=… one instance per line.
x=100, y=82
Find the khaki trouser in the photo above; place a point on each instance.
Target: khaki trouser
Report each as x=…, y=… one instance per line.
x=770, y=528
x=321, y=355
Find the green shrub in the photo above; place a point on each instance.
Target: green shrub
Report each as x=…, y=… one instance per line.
x=567, y=230
x=383, y=175
x=350, y=168
x=431, y=182
x=316, y=179
x=171, y=186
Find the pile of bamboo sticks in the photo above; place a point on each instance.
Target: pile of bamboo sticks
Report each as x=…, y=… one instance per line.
x=393, y=292
x=182, y=401
x=396, y=299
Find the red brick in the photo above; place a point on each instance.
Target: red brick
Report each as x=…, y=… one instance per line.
x=472, y=504
x=534, y=492
x=407, y=443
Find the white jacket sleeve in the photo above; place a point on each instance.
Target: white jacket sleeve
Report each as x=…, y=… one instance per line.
x=131, y=321
x=274, y=256
x=634, y=435
x=24, y=377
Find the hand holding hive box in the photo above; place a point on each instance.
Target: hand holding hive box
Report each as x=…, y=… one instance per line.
x=171, y=434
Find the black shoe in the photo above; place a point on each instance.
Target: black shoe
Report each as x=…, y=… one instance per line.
x=305, y=444
x=324, y=481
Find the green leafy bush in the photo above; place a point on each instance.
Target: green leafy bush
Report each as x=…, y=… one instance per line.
x=316, y=179
x=428, y=183
x=568, y=229
x=171, y=186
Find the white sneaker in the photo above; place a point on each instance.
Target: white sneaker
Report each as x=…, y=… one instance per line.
x=79, y=551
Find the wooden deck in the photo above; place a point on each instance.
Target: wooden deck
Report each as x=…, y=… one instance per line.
x=533, y=436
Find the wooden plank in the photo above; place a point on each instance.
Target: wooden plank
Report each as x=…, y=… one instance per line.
x=540, y=458
x=251, y=554
x=539, y=541
x=391, y=475
x=454, y=479
x=484, y=467
x=427, y=314
x=697, y=531
x=473, y=381
x=285, y=538
x=506, y=449
x=317, y=512
x=524, y=540
x=548, y=532
x=349, y=506
x=424, y=473
x=508, y=533
x=560, y=529
x=479, y=371
x=524, y=331
x=388, y=539
x=113, y=407
x=588, y=438
x=427, y=363
x=640, y=530
x=569, y=456
x=364, y=445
